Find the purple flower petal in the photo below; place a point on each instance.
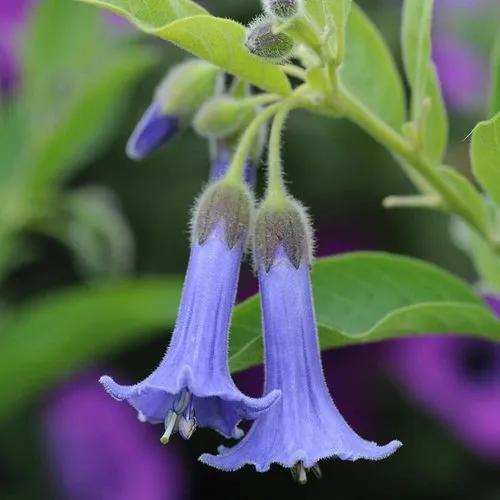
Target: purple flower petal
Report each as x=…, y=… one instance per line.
x=153, y=130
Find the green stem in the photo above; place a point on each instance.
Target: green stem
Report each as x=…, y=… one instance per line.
x=295, y=71
x=235, y=171
x=260, y=99
x=399, y=145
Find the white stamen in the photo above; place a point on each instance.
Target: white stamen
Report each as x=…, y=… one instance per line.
x=299, y=473
x=316, y=470
x=170, y=424
x=186, y=426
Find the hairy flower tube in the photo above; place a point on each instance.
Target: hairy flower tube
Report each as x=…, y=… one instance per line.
x=192, y=385
x=304, y=426
x=178, y=96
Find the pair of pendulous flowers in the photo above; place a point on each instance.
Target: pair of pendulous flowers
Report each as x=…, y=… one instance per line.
x=296, y=423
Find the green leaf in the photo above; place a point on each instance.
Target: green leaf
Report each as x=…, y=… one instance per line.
x=485, y=156
x=150, y=14
x=486, y=262
x=369, y=71
x=435, y=124
x=494, y=105
x=59, y=333
x=416, y=41
x=70, y=110
x=468, y=192
x=219, y=41
x=89, y=222
x=427, y=106
x=365, y=297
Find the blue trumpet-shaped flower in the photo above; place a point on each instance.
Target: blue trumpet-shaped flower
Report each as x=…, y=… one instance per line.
x=304, y=426
x=192, y=385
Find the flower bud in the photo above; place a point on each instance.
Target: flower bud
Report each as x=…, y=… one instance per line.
x=177, y=97
x=286, y=225
x=261, y=41
x=227, y=204
x=282, y=9
x=186, y=87
x=222, y=116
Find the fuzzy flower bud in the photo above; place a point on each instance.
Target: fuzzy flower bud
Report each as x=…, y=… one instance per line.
x=285, y=225
x=229, y=204
x=222, y=116
x=282, y=9
x=263, y=42
x=179, y=95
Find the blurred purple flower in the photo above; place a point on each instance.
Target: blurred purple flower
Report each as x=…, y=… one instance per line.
x=458, y=380
x=13, y=14
x=97, y=451
x=462, y=71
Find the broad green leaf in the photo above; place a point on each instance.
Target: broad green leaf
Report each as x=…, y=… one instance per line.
x=494, y=106
x=485, y=156
x=365, y=297
x=56, y=334
x=219, y=41
x=73, y=90
x=427, y=106
x=467, y=191
x=150, y=14
x=369, y=71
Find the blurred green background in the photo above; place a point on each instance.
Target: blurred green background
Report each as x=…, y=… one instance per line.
x=75, y=210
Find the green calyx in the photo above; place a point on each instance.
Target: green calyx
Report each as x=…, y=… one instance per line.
x=222, y=117
x=284, y=223
x=224, y=203
x=262, y=41
x=186, y=87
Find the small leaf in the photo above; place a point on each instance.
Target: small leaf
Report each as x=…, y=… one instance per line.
x=54, y=335
x=494, y=106
x=369, y=71
x=365, y=297
x=486, y=262
x=435, y=126
x=416, y=31
x=219, y=41
x=470, y=195
x=485, y=156
x=427, y=106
